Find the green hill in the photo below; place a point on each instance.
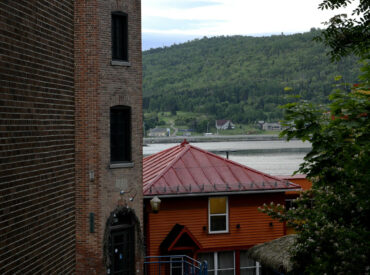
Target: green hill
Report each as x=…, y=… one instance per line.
x=238, y=77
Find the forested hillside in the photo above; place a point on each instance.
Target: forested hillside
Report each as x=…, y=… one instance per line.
x=238, y=77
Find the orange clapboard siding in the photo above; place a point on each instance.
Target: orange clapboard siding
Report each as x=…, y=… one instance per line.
x=192, y=212
x=301, y=180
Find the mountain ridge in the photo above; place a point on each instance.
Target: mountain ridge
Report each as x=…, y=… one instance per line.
x=240, y=77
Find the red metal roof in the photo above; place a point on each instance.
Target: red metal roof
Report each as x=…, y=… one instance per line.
x=186, y=169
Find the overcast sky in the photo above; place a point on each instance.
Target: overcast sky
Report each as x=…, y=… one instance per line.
x=182, y=20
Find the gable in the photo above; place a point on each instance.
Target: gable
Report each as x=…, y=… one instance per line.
x=179, y=238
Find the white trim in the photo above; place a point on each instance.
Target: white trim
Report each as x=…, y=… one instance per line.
x=216, y=268
x=256, y=267
x=227, y=216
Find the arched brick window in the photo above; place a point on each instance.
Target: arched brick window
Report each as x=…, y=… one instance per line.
x=120, y=134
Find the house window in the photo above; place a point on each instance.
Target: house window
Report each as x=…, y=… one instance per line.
x=120, y=134
x=218, y=215
x=119, y=36
x=219, y=263
x=248, y=266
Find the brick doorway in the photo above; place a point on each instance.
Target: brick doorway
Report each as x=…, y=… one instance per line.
x=120, y=242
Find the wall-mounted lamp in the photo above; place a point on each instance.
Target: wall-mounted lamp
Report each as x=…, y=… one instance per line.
x=155, y=204
x=271, y=224
x=238, y=226
x=133, y=197
x=204, y=228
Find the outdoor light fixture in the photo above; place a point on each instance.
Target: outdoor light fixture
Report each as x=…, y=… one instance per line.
x=133, y=197
x=155, y=204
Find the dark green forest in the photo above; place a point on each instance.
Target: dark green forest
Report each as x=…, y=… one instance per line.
x=239, y=77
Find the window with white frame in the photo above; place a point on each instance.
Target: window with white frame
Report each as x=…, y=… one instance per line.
x=219, y=263
x=248, y=266
x=218, y=215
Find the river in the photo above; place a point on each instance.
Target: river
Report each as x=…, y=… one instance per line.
x=275, y=157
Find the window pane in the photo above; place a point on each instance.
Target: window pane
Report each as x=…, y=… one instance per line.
x=119, y=37
x=209, y=257
x=248, y=271
x=218, y=223
x=217, y=205
x=225, y=259
x=245, y=261
x=120, y=133
x=225, y=272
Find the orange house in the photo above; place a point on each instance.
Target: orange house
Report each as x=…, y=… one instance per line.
x=209, y=208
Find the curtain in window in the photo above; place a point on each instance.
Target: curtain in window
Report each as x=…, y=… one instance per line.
x=248, y=266
x=225, y=263
x=209, y=257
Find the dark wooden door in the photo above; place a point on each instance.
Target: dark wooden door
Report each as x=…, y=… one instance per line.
x=123, y=251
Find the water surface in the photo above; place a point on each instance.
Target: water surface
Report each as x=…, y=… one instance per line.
x=276, y=157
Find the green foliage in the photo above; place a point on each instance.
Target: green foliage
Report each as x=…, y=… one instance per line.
x=197, y=124
x=150, y=121
x=240, y=78
x=347, y=35
x=333, y=233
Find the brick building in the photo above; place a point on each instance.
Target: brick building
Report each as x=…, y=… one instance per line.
x=71, y=137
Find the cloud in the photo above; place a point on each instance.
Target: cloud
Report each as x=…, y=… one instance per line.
x=190, y=4
x=165, y=24
x=230, y=17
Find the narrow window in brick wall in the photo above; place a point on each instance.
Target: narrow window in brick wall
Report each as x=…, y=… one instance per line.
x=119, y=36
x=120, y=134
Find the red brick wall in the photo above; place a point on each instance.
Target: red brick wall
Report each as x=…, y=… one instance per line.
x=99, y=86
x=37, y=220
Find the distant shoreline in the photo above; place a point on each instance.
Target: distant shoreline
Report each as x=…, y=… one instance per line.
x=214, y=138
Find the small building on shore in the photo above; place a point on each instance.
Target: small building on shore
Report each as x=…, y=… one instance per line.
x=274, y=126
x=224, y=124
x=159, y=132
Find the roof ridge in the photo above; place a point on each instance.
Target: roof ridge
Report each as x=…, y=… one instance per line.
x=159, y=157
x=180, y=154
x=236, y=163
x=160, y=152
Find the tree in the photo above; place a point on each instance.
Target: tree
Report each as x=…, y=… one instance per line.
x=332, y=219
x=347, y=35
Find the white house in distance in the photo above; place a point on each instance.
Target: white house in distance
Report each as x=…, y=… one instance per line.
x=275, y=126
x=224, y=124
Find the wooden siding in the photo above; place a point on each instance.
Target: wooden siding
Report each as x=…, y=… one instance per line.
x=193, y=213
x=302, y=182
